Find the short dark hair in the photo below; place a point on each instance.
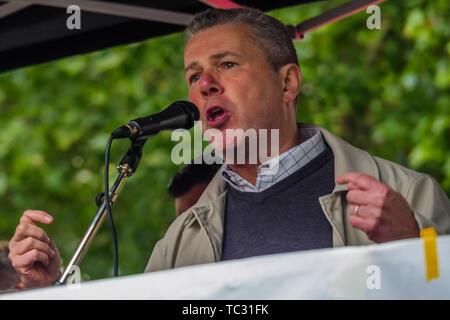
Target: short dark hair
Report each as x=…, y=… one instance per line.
x=189, y=176
x=269, y=34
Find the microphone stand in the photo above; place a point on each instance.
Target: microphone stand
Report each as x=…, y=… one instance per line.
x=126, y=168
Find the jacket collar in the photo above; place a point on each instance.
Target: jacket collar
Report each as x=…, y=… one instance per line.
x=347, y=158
x=209, y=212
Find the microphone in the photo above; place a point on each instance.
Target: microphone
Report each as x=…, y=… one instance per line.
x=179, y=115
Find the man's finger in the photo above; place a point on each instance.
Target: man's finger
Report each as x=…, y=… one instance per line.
x=25, y=230
x=358, y=180
x=364, y=211
x=29, y=244
x=27, y=260
x=31, y=216
x=361, y=223
x=364, y=197
x=53, y=246
x=357, y=210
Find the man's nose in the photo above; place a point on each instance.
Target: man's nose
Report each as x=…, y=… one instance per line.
x=209, y=85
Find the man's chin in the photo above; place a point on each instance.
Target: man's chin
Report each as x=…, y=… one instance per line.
x=235, y=152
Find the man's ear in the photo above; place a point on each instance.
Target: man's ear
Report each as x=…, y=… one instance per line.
x=291, y=77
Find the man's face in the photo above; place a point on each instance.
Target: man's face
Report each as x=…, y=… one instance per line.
x=231, y=82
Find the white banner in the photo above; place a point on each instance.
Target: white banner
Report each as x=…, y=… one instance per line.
x=394, y=270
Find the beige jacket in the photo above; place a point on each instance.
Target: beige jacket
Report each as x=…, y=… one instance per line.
x=195, y=237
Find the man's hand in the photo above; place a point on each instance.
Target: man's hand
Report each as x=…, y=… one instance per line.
x=383, y=214
x=33, y=253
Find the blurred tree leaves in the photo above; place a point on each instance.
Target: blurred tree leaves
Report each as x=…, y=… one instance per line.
x=386, y=91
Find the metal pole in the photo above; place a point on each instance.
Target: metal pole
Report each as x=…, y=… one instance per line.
x=116, y=9
x=333, y=15
x=93, y=227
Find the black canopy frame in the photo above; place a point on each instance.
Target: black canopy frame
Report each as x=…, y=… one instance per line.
x=35, y=31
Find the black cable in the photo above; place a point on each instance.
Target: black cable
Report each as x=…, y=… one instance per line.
x=108, y=208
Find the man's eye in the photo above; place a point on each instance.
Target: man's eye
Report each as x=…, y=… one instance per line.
x=228, y=65
x=195, y=77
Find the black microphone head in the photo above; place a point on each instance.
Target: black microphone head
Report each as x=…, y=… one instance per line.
x=191, y=110
x=179, y=115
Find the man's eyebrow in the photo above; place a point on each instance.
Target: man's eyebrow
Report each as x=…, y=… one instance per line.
x=216, y=56
x=193, y=65
x=221, y=55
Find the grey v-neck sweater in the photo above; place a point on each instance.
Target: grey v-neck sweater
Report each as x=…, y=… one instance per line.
x=286, y=217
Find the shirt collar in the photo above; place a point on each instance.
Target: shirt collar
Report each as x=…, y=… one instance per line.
x=280, y=167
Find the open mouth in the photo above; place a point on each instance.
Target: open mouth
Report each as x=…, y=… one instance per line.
x=216, y=115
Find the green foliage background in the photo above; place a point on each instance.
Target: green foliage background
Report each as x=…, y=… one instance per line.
x=386, y=91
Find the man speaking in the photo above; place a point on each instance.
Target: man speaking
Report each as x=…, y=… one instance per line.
x=242, y=72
